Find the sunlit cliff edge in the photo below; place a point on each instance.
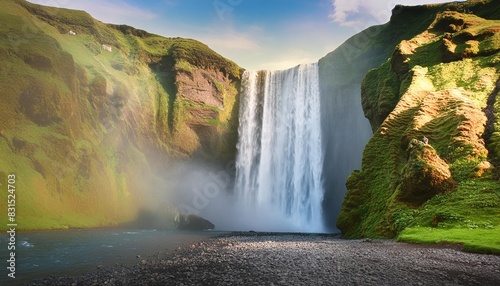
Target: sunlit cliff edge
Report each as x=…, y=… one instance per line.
x=92, y=113
x=440, y=83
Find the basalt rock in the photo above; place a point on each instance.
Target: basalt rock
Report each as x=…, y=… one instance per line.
x=193, y=222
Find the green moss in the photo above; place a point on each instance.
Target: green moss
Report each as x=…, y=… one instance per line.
x=202, y=56
x=380, y=93
x=183, y=66
x=40, y=101
x=65, y=20
x=464, y=168
x=472, y=75
x=98, y=86
x=488, y=243
x=442, y=98
x=219, y=86
x=82, y=126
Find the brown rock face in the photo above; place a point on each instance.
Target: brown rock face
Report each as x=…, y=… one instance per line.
x=206, y=116
x=424, y=175
x=200, y=86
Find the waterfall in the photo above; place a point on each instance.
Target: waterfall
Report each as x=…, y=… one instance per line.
x=280, y=155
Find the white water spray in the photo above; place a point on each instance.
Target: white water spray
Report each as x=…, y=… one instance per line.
x=280, y=155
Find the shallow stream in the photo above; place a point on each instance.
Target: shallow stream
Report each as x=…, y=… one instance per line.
x=73, y=252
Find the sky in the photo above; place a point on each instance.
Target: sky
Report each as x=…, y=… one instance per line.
x=256, y=34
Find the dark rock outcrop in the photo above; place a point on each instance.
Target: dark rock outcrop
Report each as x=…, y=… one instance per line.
x=193, y=222
x=424, y=175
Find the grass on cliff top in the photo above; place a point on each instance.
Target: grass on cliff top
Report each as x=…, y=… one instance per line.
x=468, y=216
x=133, y=42
x=476, y=76
x=373, y=46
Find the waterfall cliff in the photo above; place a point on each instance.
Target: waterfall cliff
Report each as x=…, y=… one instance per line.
x=280, y=154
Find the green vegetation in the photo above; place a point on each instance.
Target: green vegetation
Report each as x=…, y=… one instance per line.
x=88, y=116
x=438, y=83
x=468, y=216
x=380, y=93
x=473, y=239
x=202, y=56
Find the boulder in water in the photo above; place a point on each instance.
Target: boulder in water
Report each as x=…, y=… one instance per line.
x=193, y=222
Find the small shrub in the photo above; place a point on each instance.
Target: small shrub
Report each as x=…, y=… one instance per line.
x=463, y=169
x=404, y=218
x=442, y=219
x=183, y=66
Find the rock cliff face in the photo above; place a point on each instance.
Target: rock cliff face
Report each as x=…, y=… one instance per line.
x=345, y=128
x=92, y=112
x=424, y=175
x=440, y=83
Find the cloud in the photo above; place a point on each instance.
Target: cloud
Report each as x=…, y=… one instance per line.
x=361, y=13
x=231, y=41
x=286, y=64
x=288, y=57
x=229, y=38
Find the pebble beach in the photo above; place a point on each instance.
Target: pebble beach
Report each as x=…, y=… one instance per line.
x=298, y=259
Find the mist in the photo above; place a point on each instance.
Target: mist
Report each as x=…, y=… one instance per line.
x=206, y=190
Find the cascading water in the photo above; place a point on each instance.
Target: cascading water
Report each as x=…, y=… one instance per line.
x=280, y=155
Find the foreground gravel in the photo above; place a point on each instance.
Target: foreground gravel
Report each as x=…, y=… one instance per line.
x=261, y=259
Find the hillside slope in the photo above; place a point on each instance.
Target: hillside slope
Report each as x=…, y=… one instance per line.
x=345, y=128
x=92, y=112
x=441, y=83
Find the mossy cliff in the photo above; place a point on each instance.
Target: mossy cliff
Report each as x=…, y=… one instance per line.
x=345, y=128
x=440, y=83
x=92, y=111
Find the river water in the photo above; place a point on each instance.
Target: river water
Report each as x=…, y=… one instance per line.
x=73, y=252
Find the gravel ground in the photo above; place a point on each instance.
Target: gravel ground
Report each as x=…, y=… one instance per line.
x=294, y=259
